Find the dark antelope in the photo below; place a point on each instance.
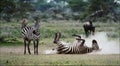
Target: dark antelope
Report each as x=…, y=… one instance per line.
x=89, y=28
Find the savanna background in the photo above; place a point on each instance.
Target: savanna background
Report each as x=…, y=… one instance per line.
x=67, y=17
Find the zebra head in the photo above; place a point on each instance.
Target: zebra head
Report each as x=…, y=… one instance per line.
x=37, y=24
x=36, y=27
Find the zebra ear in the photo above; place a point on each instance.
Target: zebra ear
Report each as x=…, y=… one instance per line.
x=24, y=22
x=36, y=19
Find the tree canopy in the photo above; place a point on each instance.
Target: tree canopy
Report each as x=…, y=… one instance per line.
x=22, y=8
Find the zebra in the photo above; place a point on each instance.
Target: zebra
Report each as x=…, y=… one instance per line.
x=30, y=33
x=76, y=48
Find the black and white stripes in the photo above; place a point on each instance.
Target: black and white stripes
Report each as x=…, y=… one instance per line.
x=29, y=32
x=74, y=48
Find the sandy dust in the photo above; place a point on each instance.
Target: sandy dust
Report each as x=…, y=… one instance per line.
x=12, y=50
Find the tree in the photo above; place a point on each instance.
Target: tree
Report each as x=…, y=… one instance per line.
x=14, y=8
x=7, y=9
x=95, y=5
x=100, y=8
x=23, y=6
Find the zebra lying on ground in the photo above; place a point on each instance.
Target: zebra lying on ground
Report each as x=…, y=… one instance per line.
x=76, y=48
x=30, y=33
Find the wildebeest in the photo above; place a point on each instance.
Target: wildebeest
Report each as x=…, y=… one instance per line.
x=89, y=28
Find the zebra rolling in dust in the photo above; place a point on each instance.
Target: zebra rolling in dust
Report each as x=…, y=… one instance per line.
x=77, y=48
x=30, y=33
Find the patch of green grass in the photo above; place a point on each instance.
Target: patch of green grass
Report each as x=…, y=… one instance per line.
x=12, y=59
x=11, y=43
x=12, y=30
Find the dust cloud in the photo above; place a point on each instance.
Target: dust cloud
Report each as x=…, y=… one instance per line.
x=106, y=45
x=50, y=51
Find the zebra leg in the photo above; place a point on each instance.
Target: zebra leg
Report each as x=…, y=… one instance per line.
x=24, y=46
x=29, y=47
x=36, y=46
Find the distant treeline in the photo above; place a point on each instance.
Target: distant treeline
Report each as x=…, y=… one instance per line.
x=60, y=9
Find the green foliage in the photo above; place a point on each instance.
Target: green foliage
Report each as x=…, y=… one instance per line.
x=7, y=6
x=7, y=9
x=11, y=43
x=77, y=5
x=14, y=9
x=95, y=5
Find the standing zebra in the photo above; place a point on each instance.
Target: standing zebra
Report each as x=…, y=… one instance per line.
x=30, y=33
x=76, y=48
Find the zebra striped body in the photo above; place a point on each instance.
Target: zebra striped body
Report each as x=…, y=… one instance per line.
x=28, y=32
x=72, y=49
